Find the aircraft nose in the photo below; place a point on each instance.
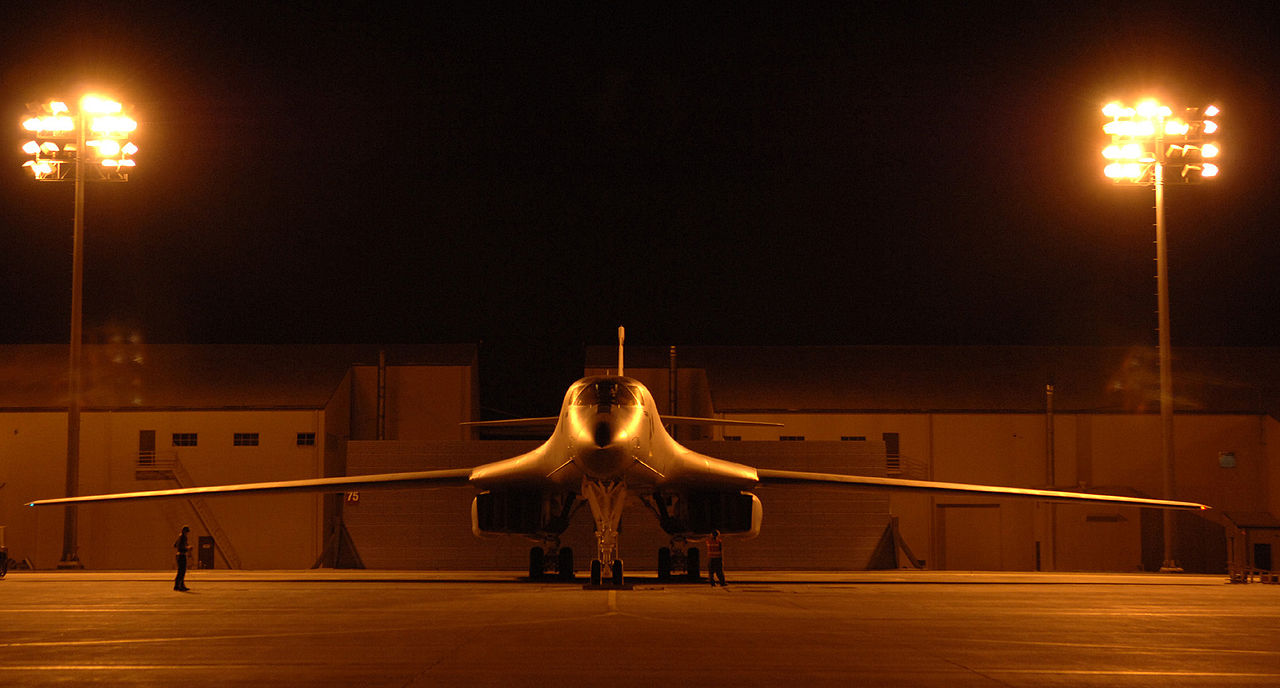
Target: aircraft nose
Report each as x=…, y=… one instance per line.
x=603, y=434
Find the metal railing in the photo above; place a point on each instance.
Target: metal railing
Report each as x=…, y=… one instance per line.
x=902, y=466
x=153, y=465
x=1253, y=575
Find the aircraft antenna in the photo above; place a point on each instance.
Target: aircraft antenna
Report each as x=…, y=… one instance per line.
x=622, y=335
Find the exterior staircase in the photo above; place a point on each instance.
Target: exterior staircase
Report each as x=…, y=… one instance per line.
x=153, y=466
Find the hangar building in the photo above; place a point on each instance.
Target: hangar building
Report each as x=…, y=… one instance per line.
x=1044, y=417
x=158, y=416
x=164, y=416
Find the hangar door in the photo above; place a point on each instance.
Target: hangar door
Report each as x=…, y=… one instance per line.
x=969, y=537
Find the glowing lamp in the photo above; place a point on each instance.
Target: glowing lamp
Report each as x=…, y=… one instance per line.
x=98, y=105
x=1116, y=110
x=106, y=147
x=112, y=125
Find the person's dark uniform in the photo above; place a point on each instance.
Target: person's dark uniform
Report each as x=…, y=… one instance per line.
x=715, y=559
x=182, y=548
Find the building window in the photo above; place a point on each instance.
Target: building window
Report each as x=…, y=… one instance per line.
x=245, y=439
x=853, y=438
x=792, y=438
x=306, y=439
x=184, y=439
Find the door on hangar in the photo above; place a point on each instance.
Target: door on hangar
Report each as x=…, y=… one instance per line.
x=146, y=447
x=969, y=537
x=1262, y=555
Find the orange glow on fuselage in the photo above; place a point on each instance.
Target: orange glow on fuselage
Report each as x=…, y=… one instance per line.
x=608, y=426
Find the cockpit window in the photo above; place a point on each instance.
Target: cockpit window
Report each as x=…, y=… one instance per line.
x=607, y=393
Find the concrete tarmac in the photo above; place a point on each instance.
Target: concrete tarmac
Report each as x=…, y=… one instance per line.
x=343, y=628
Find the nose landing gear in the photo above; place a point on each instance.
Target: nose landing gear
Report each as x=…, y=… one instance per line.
x=598, y=572
x=606, y=500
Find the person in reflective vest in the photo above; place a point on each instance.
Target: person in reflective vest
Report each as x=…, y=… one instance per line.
x=715, y=559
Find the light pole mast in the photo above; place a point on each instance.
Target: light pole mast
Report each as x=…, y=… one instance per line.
x=1169, y=564
x=61, y=143
x=70, y=556
x=1145, y=141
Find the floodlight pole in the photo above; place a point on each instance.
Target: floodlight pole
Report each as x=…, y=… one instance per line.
x=70, y=557
x=1169, y=564
x=115, y=158
x=1154, y=122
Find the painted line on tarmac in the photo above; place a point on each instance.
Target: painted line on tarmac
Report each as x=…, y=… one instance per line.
x=1131, y=649
x=197, y=638
x=1129, y=672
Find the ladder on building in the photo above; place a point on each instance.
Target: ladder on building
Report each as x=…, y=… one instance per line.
x=152, y=466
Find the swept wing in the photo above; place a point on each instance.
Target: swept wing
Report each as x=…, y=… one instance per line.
x=864, y=482
x=381, y=481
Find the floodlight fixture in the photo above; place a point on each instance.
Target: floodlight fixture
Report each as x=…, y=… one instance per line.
x=99, y=133
x=1150, y=135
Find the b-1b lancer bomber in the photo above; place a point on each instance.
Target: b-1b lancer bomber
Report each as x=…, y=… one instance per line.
x=610, y=444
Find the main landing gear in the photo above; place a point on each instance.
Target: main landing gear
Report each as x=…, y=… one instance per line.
x=555, y=558
x=679, y=557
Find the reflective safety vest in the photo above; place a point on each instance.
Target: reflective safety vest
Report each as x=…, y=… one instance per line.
x=715, y=549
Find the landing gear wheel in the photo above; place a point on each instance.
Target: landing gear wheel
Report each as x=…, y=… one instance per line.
x=535, y=563
x=664, y=563
x=565, y=567
x=617, y=572
x=692, y=566
x=595, y=572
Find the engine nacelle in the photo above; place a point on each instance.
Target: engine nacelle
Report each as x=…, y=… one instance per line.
x=731, y=513
x=520, y=513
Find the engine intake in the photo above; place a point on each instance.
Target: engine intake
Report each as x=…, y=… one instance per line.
x=524, y=513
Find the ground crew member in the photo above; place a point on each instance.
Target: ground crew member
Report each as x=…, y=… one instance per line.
x=715, y=559
x=183, y=549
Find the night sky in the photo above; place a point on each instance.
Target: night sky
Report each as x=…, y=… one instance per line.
x=530, y=178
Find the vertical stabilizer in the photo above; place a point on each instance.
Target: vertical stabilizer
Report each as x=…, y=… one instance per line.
x=622, y=335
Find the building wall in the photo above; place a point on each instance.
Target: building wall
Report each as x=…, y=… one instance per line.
x=1107, y=451
x=267, y=532
x=422, y=402
x=32, y=465
x=1271, y=442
